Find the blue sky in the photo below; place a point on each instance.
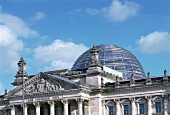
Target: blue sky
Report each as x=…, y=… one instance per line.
x=51, y=34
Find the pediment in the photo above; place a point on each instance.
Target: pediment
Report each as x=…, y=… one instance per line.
x=157, y=98
x=125, y=101
x=44, y=83
x=141, y=99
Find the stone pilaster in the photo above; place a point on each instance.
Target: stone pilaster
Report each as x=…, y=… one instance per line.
x=51, y=103
x=166, y=104
x=12, y=109
x=96, y=105
x=86, y=107
x=65, y=102
x=37, y=106
x=104, y=107
x=117, y=101
x=149, y=105
x=80, y=109
x=133, y=105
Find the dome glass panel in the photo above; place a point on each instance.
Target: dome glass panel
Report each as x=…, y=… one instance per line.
x=113, y=57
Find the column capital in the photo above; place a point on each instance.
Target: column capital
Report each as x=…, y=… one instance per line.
x=132, y=99
x=65, y=101
x=12, y=106
x=148, y=97
x=103, y=102
x=36, y=104
x=25, y=105
x=79, y=100
x=87, y=102
x=116, y=100
x=50, y=103
x=165, y=96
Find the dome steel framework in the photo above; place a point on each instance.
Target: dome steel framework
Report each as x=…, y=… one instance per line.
x=115, y=58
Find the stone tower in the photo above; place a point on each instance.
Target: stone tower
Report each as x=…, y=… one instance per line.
x=93, y=77
x=20, y=73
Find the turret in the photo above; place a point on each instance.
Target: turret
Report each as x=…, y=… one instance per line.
x=93, y=77
x=94, y=65
x=20, y=73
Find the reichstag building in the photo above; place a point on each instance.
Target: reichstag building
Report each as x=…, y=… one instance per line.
x=104, y=80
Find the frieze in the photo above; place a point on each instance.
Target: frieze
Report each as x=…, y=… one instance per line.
x=38, y=99
x=43, y=86
x=44, y=98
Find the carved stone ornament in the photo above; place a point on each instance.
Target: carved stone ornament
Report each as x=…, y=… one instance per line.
x=132, y=78
x=117, y=80
x=51, y=103
x=165, y=75
x=87, y=103
x=37, y=104
x=64, y=101
x=43, y=86
x=148, y=97
x=148, y=77
x=117, y=100
x=132, y=99
x=12, y=106
x=79, y=100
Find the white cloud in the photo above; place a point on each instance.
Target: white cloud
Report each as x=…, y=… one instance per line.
x=116, y=12
x=12, y=29
x=119, y=11
x=92, y=11
x=60, y=54
x=155, y=42
x=39, y=16
x=17, y=25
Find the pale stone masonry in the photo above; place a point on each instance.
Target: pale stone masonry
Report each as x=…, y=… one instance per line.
x=90, y=92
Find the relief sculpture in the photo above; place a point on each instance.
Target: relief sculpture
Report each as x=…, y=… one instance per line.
x=43, y=86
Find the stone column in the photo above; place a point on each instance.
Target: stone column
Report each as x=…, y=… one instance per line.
x=80, y=109
x=149, y=105
x=65, y=102
x=37, y=106
x=12, y=109
x=117, y=107
x=26, y=108
x=51, y=103
x=133, y=106
x=166, y=105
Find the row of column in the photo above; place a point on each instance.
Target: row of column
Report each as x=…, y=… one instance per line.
x=52, y=107
x=134, y=109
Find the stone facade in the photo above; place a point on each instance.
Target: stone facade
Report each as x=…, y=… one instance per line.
x=94, y=92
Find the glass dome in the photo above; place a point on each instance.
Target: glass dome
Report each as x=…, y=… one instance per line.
x=115, y=58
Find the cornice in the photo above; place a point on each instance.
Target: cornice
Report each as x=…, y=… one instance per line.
x=63, y=92
x=128, y=88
